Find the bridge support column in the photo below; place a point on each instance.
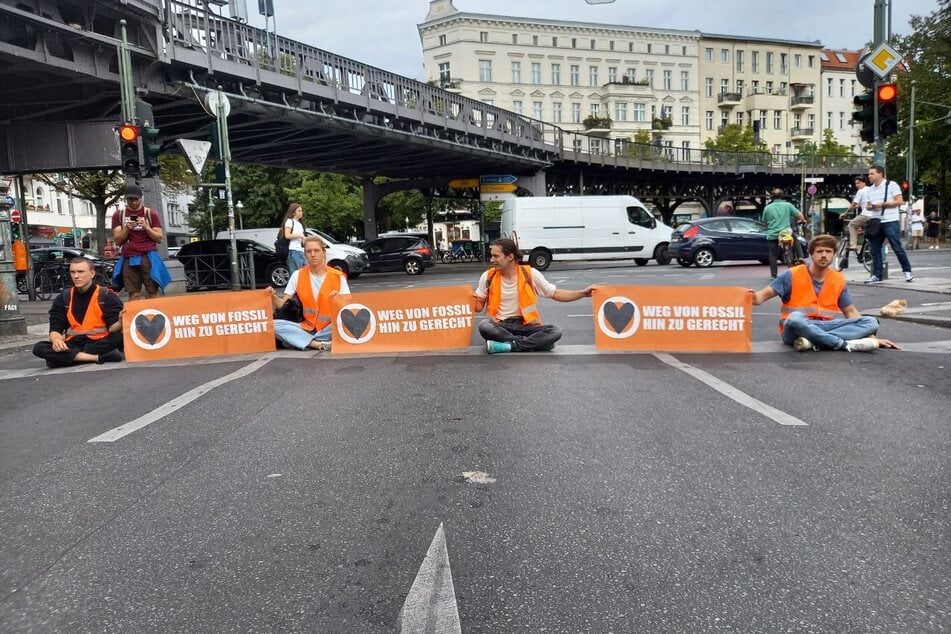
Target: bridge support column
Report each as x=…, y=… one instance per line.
x=371, y=196
x=536, y=184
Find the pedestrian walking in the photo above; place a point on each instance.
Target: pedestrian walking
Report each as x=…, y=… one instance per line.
x=934, y=230
x=884, y=198
x=778, y=217
x=293, y=227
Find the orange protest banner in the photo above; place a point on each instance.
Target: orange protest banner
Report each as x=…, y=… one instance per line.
x=198, y=326
x=672, y=319
x=403, y=321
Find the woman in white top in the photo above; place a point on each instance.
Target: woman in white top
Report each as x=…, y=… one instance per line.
x=294, y=234
x=917, y=220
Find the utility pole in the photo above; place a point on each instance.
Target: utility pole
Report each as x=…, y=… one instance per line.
x=218, y=101
x=910, y=157
x=882, y=32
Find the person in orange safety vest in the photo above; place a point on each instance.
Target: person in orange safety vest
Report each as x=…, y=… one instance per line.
x=85, y=322
x=314, y=285
x=813, y=296
x=509, y=293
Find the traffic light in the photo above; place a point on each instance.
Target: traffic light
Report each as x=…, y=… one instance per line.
x=865, y=115
x=130, y=149
x=151, y=150
x=15, y=231
x=887, y=100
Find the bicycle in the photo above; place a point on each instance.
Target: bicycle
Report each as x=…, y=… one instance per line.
x=51, y=280
x=863, y=255
x=458, y=253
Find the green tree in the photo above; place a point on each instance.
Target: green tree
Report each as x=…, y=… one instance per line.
x=735, y=138
x=332, y=203
x=102, y=188
x=829, y=153
x=642, y=147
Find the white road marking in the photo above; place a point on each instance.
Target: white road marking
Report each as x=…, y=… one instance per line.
x=430, y=607
x=731, y=392
x=176, y=403
x=582, y=315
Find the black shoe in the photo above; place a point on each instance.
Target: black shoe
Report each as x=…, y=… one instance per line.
x=111, y=357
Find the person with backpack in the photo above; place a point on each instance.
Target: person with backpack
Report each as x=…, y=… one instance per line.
x=290, y=239
x=85, y=322
x=509, y=293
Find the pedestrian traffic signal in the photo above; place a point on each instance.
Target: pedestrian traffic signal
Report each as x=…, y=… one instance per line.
x=151, y=150
x=130, y=149
x=887, y=101
x=865, y=115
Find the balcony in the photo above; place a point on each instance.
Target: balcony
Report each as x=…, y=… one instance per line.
x=801, y=102
x=597, y=125
x=729, y=99
x=761, y=99
x=799, y=134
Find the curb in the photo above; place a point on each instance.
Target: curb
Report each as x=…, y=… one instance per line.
x=941, y=322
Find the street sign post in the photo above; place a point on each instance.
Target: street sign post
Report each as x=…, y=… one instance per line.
x=498, y=188
x=882, y=60
x=495, y=179
x=15, y=215
x=464, y=183
x=196, y=153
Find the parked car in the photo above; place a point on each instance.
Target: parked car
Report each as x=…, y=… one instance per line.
x=173, y=251
x=207, y=264
x=349, y=260
x=43, y=257
x=399, y=253
x=708, y=240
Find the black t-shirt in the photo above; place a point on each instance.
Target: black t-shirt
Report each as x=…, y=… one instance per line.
x=111, y=308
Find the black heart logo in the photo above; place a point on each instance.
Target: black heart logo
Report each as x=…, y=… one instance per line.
x=618, y=316
x=150, y=327
x=356, y=322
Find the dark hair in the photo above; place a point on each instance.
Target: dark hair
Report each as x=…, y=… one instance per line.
x=878, y=168
x=291, y=209
x=508, y=247
x=861, y=177
x=823, y=240
x=80, y=258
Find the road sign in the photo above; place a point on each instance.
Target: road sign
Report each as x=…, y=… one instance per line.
x=212, y=99
x=882, y=60
x=14, y=215
x=464, y=183
x=815, y=179
x=497, y=179
x=499, y=188
x=812, y=189
x=196, y=153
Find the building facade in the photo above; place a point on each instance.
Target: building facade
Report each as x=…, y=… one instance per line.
x=609, y=82
x=838, y=88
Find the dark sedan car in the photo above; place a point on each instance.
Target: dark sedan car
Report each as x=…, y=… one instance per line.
x=708, y=240
x=207, y=264
x=399, y=253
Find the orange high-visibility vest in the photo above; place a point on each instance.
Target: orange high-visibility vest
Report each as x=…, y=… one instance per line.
x=317, y=311
x=93, y=325
x=527, y=299
x=803, y=298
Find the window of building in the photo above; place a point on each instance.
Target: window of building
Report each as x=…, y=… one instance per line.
x=754, y=87
x=631, y=74
x=595, y=145
x=666, y=112
x=708, y=87
x=708, y=119
x=783, y=64
x=576, y=144
x=620, y=111
x=769, y=87
x=595, y=110
x=575, y=112
x=797, y=60
x=630, y=47
x=739, y=118
x=685, y=149
x=685, y=80
x=611, y=45
x=556, y=112
x=708, y=54
x=517, y=107
x=828, y=86
x=724, y=56
x=592, y=75
x=536, y=72
x=797, y=120
x=485, y=70
x=739, y=86
x=667, y=80
x=769, y=63
x=514, y=38
x=739, y=61
x=442, y=40
x=556, y=74
x=841, y=87
x=574, y=42
x=829, y=120
x=649, y=76
x=754, y=62
x=650, y=48
x=777, y=119
x=724, y=118
x=537, y=109
x=554, y=41
x=574, y=75
x=853, y=89
x=812, y=61
x=841, y=120
x=483, y=36
x=762, y=119
x=534, y=40
x=612, y=74
x=592, y=45
x=685, y=115
x=811, y=119
x=445, y=75
x=639, y=112
x=683, y=51
x=516, y=72
x=724, y=86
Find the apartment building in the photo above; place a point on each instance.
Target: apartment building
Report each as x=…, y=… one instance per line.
x=838, y=88
x=607, y=81
x=769, y=84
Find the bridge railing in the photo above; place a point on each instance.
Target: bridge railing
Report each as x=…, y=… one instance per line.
x=191, y=24
x=623, y=151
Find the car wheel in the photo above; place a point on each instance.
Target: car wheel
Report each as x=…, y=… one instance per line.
x=662, y=255
x=540, y=259
x=703, y=258
x=340, y=266
x=684, y=262
x=278, y=275
x=413, y=266
x=641, y=261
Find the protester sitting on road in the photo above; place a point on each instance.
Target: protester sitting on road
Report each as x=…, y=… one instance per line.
x=85, y=323
x=314, y=286
x=812, y=295
x=509, y=292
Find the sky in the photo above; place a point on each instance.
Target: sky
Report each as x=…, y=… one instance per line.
x=383, y=33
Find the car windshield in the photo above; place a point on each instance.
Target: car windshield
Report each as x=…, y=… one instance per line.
x=326, y=236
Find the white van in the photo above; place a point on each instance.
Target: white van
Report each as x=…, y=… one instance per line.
x=350, y=260
x=585, y=228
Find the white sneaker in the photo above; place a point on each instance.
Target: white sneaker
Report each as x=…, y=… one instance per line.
x=872, y=280
x=909, y=276
x=931, y=248
x=802, y=344
x=866, y=344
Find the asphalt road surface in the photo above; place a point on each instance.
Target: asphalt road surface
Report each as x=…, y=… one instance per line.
x=762, y=492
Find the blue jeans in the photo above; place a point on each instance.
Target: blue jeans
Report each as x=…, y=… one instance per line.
x=296, y=337
x=829, y=335
x=295, y=260
x=891, y=231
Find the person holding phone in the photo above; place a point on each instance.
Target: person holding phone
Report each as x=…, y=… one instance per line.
x=137, y=230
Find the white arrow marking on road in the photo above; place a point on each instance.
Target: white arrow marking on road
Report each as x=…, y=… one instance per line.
x=430, y=606
x=731, y=392
x=176, y=404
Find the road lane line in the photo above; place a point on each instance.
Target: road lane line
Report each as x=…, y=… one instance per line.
x=731, y=392
x=176, y=404
x=430, y=607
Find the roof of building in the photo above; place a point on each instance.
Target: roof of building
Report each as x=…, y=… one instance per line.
x=839, y=59
x=765, y=40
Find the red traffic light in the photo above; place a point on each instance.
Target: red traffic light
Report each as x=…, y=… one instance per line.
x=128, y=133
x=887, y=92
